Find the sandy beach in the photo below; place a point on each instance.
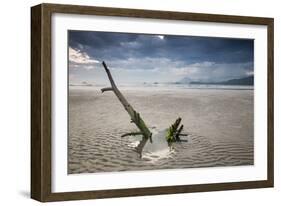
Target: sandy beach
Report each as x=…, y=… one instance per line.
x=219, y=124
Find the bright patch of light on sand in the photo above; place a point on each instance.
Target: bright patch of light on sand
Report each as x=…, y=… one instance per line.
x=160, y=37
x=134, y=144
x=155, y=151
x=153, y=156
x=158, y=155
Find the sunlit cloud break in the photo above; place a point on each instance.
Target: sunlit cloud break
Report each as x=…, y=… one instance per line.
x=78, y=57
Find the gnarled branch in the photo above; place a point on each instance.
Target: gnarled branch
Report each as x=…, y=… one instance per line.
x=135, y=116
x=106, y=89
x=132, y=134
x=173, y=133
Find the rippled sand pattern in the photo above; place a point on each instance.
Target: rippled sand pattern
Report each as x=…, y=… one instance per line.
x=219, y=126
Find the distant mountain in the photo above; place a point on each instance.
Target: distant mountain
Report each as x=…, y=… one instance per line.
x=242, y=81
x=84, y=83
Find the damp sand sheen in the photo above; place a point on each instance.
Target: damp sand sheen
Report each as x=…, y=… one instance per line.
x=219, y=124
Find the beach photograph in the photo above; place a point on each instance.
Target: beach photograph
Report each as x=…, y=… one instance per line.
x=156, y=101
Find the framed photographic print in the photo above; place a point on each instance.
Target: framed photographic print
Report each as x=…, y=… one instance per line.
x=130, y=102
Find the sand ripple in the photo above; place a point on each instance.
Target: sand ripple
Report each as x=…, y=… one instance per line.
x=97, y=121
x=113, y=153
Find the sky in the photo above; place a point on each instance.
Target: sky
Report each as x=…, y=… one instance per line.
x=139, y=58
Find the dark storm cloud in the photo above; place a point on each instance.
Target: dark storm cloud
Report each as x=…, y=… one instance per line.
x=141, y=57
x=99, y=40
x=219, y=50
x=108, y=46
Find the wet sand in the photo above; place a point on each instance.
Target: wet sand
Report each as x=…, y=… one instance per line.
x=219, y=124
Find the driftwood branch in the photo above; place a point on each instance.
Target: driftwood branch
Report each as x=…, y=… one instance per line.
x=135, y=116
x=106, y=89
x=173, y=133
x=177, y=135
x=132, y=134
